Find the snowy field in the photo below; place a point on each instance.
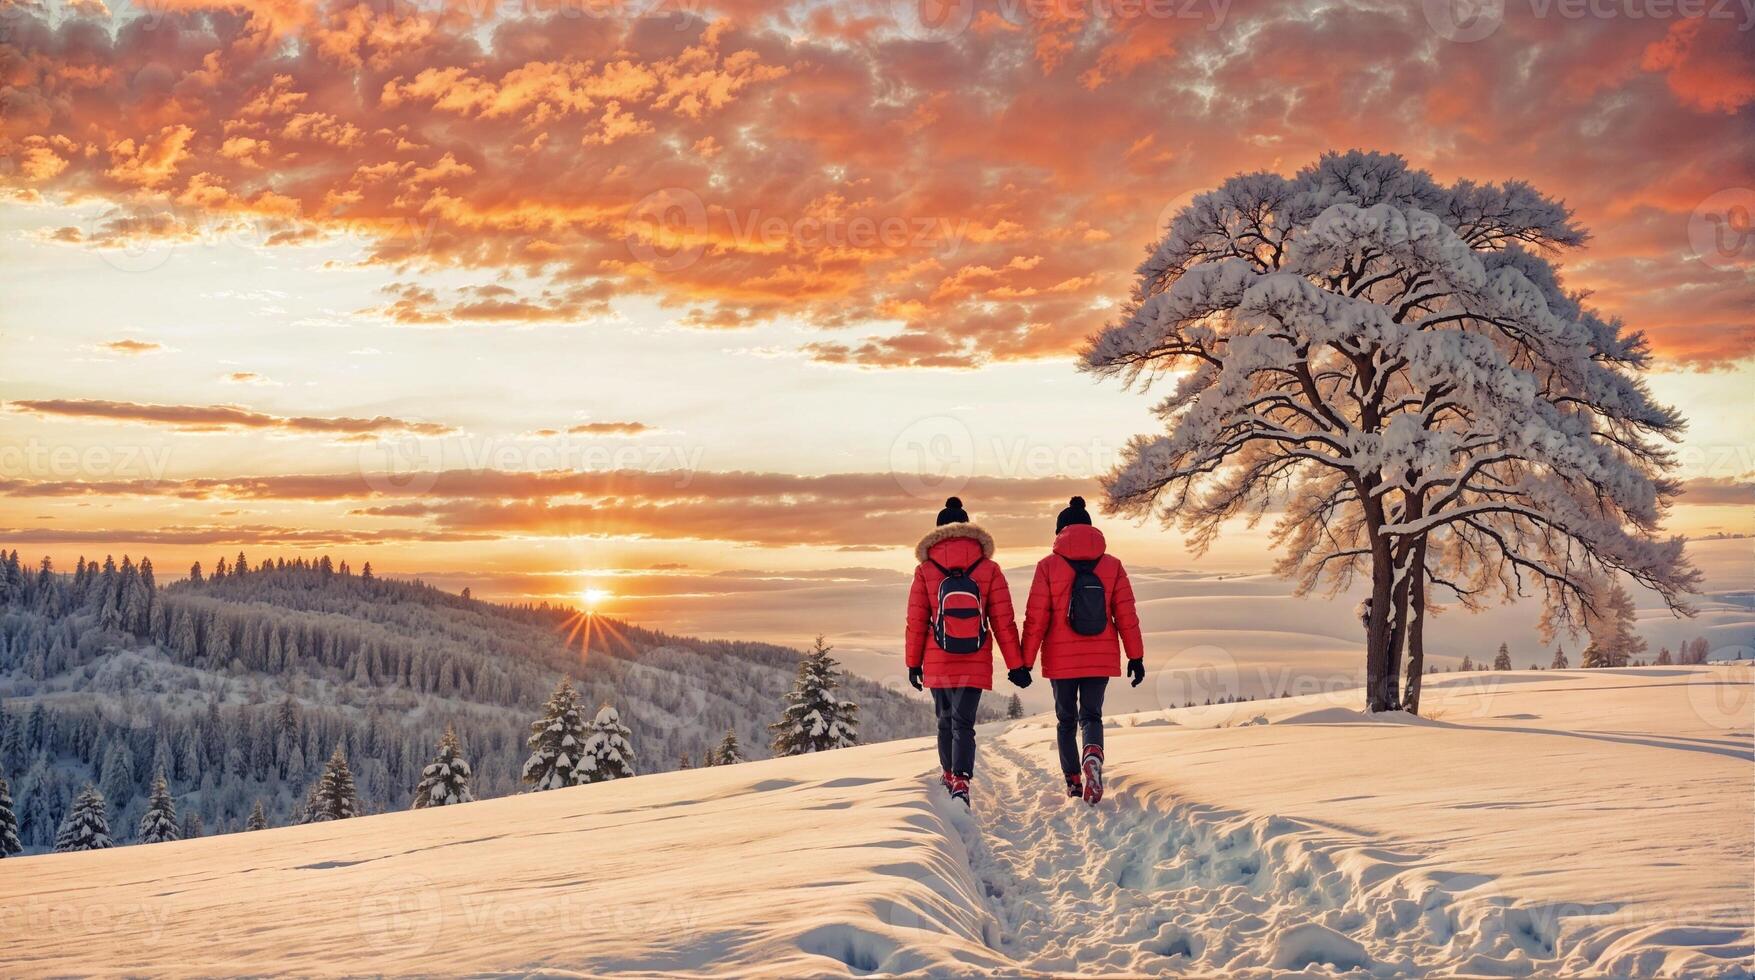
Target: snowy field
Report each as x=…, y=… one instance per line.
x=1536, y=823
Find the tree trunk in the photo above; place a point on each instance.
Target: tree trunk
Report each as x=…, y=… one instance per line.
x=1416, y=632
x=1380, y=679
x=1398, y=630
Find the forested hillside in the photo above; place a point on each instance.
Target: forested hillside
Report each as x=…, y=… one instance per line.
x=238, y=684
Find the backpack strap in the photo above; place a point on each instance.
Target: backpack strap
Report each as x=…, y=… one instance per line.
x=948, y=572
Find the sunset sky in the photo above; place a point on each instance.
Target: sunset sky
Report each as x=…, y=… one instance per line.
x=699, y=298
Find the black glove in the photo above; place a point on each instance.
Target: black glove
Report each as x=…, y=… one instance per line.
x=914, y=677
x=1019, y=676
x=1136, y=669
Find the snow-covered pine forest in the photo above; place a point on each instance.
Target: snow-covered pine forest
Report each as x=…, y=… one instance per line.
x=241, y=683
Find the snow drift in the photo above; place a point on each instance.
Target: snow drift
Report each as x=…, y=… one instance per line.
x=1538, y=823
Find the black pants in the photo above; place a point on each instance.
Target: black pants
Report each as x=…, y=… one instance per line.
x=1078, y=704
x=956, y=727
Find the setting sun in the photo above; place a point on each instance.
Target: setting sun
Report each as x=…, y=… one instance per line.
x=593, y=597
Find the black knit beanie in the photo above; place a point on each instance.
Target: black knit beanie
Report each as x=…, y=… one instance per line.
x=1074, y=513
x=953, y=513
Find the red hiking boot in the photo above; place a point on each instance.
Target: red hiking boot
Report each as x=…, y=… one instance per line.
x=1093, y=774
x=945, y=778
x=1075, y=788
x=960, y=789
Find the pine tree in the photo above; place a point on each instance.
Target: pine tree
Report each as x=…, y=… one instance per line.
x=86, y=828
x=1503, y=660
x=1663, y=658
x=608, y=755
x=1612, y=640
x=258, y=819
x=312, y=810
x=445, y=780
x=1559, y=662
x=335, y=797
x=1014, y=708
x=557, y=742
x=193, y=826
x=815, y=720
x=1468, y=663
x=159, y=823
x=9, y=844
x=729, y=752
x=684, y=762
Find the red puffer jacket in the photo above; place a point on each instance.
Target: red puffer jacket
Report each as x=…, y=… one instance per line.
x=957, y=546
x=1066, y=654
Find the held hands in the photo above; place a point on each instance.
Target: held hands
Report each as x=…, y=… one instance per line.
x=915, y=674
x=1019, y=676
x=1136, y=669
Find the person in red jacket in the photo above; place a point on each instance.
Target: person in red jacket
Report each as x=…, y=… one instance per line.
x=958, y=608
x=1080, y=617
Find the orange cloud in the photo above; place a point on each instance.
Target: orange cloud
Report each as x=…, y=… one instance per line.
x=133, y=347
x=210, y=418
x=848, y=510
x=608, y=429
x=953, y=201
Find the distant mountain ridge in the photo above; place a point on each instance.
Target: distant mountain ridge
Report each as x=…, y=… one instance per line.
x=239, y=685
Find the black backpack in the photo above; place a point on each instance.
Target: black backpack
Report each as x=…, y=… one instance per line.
x=960, y=624
x=1087, y=606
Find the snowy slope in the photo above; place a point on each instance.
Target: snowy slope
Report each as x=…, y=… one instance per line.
x=1536, y=823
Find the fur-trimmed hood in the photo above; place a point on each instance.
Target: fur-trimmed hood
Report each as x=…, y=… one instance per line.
x=945, y=532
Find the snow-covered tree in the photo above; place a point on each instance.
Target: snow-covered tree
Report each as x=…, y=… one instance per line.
x=258, y=819
x=1613, y=643
x=815, y=720
x=87, y=827
x=608, y=755
x=1388, y=362
x=1502, y=660
x=557, y=743
x=193, y=826
x=334, y=797
x=1014, y=708
x=1559, y=662
x=9, y=844
x=445, y=780
x=684, y=761
x=159, y=823
x=729, y=751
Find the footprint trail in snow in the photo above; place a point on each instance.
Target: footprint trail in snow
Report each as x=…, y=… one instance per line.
x=1132, y=887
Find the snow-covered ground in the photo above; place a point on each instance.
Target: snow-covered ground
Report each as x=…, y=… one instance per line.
x=1535, y=823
